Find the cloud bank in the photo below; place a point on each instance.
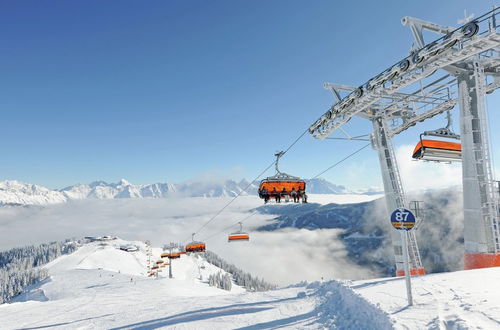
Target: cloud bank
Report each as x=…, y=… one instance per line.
x=282, y=257
x=421, y=175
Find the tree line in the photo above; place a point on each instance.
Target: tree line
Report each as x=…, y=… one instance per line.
x=221, y=281
x=21, y=267
x=241, y=278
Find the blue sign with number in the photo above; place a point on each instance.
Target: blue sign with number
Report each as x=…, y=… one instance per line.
x=402, y=219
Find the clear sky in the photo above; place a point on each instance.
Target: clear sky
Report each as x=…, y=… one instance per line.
x=164, y=91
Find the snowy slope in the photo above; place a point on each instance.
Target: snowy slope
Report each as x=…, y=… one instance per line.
x=101, y=287
x=457, y=300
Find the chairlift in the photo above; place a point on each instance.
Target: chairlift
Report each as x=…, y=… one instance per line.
x=238, y=236
x=169, y=255
x=174, y=255
x=281, y=185
x=439, y=150
x=195, y=246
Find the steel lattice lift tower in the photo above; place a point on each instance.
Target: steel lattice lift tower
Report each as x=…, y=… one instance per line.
x=460, y=67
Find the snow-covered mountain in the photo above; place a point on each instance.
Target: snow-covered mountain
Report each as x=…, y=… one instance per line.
x=321, y=186
x=122, y=189
x=19, y=193
x=125, y=189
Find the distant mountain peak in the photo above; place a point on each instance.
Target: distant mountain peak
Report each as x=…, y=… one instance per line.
x=13, y=192
x=98, y=183
x=124, y=183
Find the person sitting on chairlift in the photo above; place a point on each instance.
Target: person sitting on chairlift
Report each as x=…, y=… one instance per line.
x=276, y=195
x=294, y=195
x=302, y=194
x=284, y=194
x=265, y=194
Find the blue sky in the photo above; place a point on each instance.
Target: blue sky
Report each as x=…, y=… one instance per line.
x=164, y=91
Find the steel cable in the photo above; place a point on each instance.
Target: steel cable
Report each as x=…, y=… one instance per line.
x=340, y=161
x=248, y=186
x=326, y=170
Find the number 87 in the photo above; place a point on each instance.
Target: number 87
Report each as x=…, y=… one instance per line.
x=401, y=216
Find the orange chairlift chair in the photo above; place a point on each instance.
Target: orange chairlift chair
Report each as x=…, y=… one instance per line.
x=195, y=246
x=439, y=150
x=281, y=181
x=238, y=236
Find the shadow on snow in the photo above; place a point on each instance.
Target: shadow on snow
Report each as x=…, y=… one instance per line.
x=204, y=314
x=65, y=323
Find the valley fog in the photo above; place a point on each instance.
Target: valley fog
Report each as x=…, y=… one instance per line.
x=283, y=257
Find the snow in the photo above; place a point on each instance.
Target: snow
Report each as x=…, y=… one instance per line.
x=84, y=292
x=101, y=287
x=457, y=300
x=15, y=192
x=343, y=308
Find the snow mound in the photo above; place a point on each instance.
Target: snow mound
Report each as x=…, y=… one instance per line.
x=341, y=307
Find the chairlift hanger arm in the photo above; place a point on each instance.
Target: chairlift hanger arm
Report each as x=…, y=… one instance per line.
x=278, y=155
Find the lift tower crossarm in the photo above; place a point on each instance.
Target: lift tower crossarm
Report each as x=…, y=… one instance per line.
x=469, y=40
x=416, y=26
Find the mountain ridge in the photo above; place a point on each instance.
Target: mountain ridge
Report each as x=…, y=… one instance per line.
x=13, y=192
